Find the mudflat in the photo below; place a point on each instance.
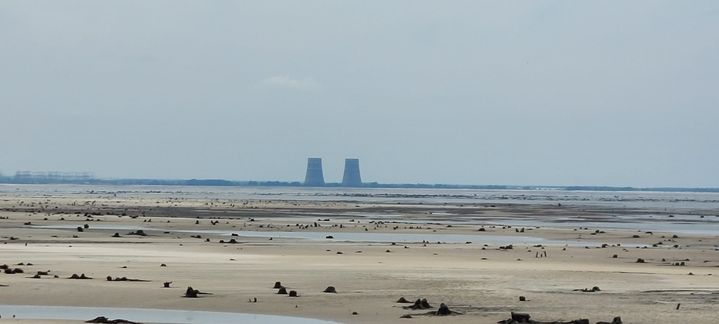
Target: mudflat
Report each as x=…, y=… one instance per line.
x=551, y=254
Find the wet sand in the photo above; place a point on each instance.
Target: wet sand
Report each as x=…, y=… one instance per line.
x=481, y=282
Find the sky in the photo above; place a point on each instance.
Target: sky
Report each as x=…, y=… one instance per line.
x=620, y=93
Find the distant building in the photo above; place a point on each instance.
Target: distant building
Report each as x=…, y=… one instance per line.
x=351, y=177
x=314, y=176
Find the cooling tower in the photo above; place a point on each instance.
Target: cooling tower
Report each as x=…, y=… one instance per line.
x=351, y=177
x=314, y=177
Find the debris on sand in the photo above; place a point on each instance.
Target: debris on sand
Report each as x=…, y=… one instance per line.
x=616, y=320
x=194, y=293
x=103, y=319
x=403, y=300
x=109, y=278
x=191, y=293
x=282, y=291
x=443, y=310
x=330, y=289
x=419, y=304
x=138, y=232
x=593, y=289
x=278, y=285
x=521, y=318
x=81, y=276
x=13, y=271
x=293, y=293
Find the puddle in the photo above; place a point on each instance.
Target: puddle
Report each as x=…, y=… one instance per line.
x=145, y=315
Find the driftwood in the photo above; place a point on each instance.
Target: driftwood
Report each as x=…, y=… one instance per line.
x=109, y=278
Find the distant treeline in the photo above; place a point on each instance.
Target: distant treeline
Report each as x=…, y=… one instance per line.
x=222, y=182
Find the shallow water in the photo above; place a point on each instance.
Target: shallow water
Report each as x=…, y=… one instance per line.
x=145, y=315
x=362, y=237
x=688, y=228
x=618, y=199
x=686, y=206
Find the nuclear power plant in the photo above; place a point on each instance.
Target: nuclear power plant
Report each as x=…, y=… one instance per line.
x=314, y=176
x=351, y=177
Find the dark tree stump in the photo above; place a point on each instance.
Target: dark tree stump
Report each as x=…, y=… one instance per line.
x=520, y=317
x=191, y=293
x=443, y=310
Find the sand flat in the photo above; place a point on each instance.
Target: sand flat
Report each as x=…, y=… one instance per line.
x=482, y=282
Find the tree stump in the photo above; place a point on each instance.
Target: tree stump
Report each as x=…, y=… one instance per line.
x=443, y=310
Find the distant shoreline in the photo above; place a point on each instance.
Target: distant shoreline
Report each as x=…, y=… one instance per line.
x=232, y=183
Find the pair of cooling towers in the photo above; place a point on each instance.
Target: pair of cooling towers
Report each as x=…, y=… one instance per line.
x=315, y=178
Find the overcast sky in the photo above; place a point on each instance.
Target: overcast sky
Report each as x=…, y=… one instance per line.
x=467, y=92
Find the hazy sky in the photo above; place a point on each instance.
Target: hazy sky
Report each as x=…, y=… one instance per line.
x=482, y=92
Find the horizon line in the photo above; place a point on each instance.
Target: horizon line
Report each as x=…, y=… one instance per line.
x=373, y=184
